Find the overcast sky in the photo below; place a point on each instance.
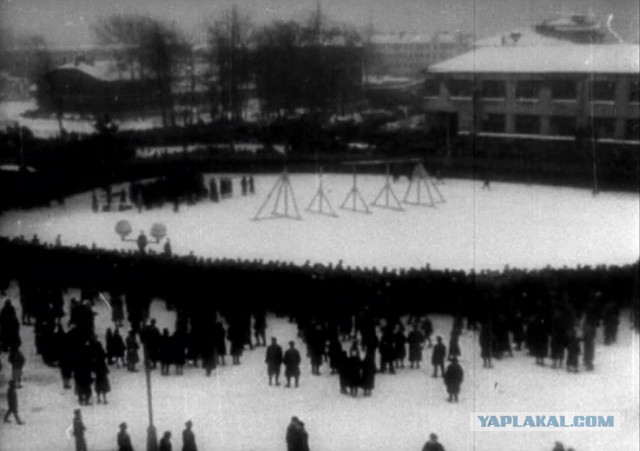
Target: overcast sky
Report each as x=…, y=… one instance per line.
x=68, y=22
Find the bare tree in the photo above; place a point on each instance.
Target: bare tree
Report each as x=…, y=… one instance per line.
x=229, y=39
x=151, y=46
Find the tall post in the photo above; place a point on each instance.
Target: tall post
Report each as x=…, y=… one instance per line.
x=152, y=436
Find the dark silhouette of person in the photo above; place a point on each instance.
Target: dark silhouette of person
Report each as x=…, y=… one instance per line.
x=188, y=438
x=124, y=440
x=165, y=442
x=297, y=437
x=12, y=402
x=433, y=444
x=437, y=357
x=292, y=364
x=142, y=242
x=453, y=377
x=273, y=359
x=78, y=431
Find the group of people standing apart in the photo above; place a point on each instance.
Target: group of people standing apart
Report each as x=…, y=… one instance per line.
x=224, y=187
x=353, y=354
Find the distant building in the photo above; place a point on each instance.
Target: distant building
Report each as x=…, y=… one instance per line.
x=558, y=80
x=411, y=54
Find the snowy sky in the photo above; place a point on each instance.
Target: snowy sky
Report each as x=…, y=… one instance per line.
x=67, y=22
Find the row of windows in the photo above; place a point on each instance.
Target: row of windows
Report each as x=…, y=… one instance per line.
x=559, y=125
x=600, y=90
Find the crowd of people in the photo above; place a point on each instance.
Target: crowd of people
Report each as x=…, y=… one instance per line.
x=357, y=321
x=176, y=189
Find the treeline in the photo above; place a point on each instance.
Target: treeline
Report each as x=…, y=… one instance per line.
x=313, y=65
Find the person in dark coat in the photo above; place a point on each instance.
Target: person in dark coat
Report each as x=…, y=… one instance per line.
x=117, y=310
x=416, y=342
x=292, y=364
x=354, y=372
x=165, y=442
x=437, y=357
x=386, y=351
x=260, y=327
x=221, y=344
x=315, y=343
x=124, y=440
x=368, y=375
x=399, y=347
x=165, y=352
x=427, y=330
x=9, y=327
x=252, y=189
x=573, y=352
x=132, y=351
x=119, y=348
x=454, y=343
x=486, y=343
x=243, y=185
x=142, y=242
x=78, y=431
x=188, y=438
x=17, y=361
x=453, y=377
x=273, y=359
x=433, y=444
x=178, y=351
x=589, y=338
x=12, y=403
x=102, y=385
x=297, y=438
x=343, y=370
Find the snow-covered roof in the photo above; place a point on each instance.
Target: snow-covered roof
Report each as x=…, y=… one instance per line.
x=100, y=70
x=597, y=58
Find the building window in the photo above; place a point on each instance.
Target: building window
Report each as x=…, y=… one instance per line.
x=494, y=123
x=460, y=88
x=634, y=91
x=493, y=89
x=528, y=90
x=603, y=90
x=604, y=127
x=633, y=129
x=562, y=126
x=528, y=124
x=563, y=90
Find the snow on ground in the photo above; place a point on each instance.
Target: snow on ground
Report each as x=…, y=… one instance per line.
x=235, y=409
x=517, y=225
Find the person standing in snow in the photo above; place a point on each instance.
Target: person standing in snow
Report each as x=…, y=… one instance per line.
x=273, y=360
x=453, y=379
x=433, y=444
x=12, y=401
x=437, y=357
x=124, y=440
x=188, y=438
x=292, y=364
x=165, y=442
x=78, y=431
x=297, y=438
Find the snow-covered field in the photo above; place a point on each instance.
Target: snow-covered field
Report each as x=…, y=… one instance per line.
x=516, y=225
x=235, y=409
